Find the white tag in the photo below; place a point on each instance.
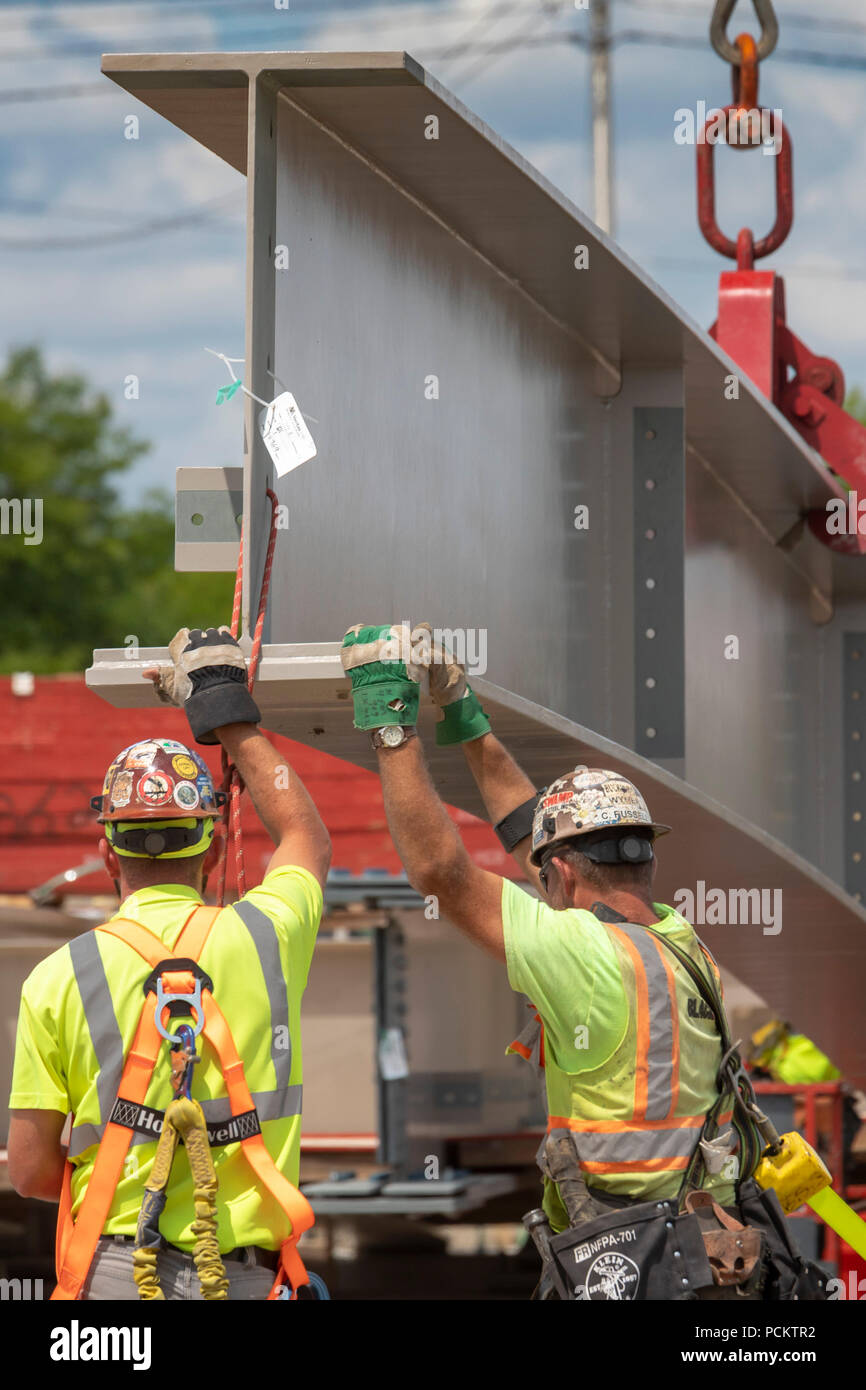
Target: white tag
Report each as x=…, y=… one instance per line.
x=285, y=435
x=393, y=1062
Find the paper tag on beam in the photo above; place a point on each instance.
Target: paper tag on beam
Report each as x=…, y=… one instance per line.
x=285, y=434
x=393, y=1063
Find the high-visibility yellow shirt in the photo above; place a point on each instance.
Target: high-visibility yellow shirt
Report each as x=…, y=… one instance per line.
x=797, y=1061
x=69, y=1058
x=573, y=968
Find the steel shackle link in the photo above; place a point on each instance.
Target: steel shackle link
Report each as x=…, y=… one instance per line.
x=784, y=199
x=729, y=51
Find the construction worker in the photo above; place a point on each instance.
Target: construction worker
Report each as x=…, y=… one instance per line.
x=648, y=1155
x=81, y=1006
x=778, y=1053
x=790, y=1057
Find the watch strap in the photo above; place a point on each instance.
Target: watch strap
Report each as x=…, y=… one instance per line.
x=378, y=741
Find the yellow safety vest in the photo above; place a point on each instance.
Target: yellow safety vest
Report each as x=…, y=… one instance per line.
x=637, y=1119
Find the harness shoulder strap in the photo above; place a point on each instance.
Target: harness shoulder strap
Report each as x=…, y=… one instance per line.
x=76, y=1240
x=711, y=994
x=293, y=1203
x=193, y=935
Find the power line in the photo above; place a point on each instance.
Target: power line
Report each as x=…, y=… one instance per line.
x=789, y=55
x=699, y=11
x=33, y=205
x=200, y=7
x=275, y=24
x=514, y=40
x=205, y=212
x=809, y=57
x=489, y=18
x=809, y=272
x=69, y=89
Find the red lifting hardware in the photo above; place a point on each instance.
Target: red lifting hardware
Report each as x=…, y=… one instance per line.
x=751, y=325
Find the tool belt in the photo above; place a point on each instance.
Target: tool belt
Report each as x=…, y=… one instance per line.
x=655, y=1251
x=687, y=1247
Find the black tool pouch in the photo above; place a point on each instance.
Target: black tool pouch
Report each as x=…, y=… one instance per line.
x=643, y=1252
x=789, y=1276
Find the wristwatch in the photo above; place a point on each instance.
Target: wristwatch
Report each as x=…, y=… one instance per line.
x=393, y=735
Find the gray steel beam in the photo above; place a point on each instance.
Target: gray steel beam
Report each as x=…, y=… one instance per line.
x=304, y=695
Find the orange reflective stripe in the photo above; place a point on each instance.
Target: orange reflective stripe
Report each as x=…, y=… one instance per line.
x=664, y=957
x=625, y=1126
x=79, y=1244
x=521, y=1049
x=641, y=1077
x=646, y=1165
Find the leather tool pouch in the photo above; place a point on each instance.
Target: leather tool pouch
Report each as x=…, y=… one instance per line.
x=736, y=1253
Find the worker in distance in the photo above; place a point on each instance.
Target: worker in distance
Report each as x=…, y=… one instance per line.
x=86, y=1008
x=651, y=1139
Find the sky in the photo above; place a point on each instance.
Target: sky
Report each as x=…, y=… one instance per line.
x=126, y=257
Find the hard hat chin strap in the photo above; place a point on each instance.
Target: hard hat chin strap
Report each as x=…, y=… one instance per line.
x=630, y=849
x=162, y=841
x=604, y=848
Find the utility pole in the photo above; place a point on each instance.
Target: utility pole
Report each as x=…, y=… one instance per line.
x=602, y=147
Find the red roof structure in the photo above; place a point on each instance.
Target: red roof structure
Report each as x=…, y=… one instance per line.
x=56, y=743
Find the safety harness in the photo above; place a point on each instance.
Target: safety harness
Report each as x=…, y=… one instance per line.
x=176, y=979
x=686, y=1246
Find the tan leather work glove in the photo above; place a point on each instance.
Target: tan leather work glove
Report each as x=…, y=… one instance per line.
x=208, y=678
x=463, y=719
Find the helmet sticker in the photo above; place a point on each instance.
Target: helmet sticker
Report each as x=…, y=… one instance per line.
x=170, y=745
x=184, y=765
x=122, y=789
x=186, y=793
x=587, y=779
x=154, y=789
x=557, y=799
x=141, y=755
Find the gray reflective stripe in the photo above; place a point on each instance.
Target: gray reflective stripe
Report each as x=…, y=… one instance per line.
x=100, y=1017
x=635, y=1145
x=660, y=1056
x=281, y=1102
x=264, y=935
x=270, y=1105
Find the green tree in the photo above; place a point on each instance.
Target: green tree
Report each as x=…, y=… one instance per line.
x=102, y=570
x=855, y=404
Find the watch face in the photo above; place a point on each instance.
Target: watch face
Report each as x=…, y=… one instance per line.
x=392, y=736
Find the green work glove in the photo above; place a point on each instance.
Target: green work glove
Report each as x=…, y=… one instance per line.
x=463, y=719
x=378, y=661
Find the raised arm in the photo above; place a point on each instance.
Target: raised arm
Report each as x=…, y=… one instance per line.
x=385, y=689
x=504, y=788
x=432, y=852
x=208, y=678
x=283, y=804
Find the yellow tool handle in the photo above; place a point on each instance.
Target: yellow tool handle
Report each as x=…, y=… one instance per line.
x=840, y=1218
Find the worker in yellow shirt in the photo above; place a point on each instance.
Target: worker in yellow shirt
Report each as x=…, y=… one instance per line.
x=81, y=1007
x=777, y=1052
x=652, y=1135
x=790, y=1057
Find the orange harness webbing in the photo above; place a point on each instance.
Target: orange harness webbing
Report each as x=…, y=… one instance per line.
x=76, y=1240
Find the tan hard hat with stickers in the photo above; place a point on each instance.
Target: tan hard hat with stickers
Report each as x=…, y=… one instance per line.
x=582, y=803
x=156, y=779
